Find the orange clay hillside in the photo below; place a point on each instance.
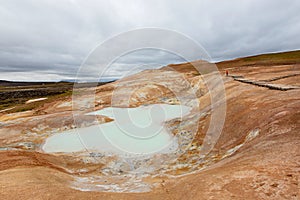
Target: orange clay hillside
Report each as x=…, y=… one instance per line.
x=257, y=155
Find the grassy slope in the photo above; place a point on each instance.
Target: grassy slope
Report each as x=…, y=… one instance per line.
x=284, y=58
x=15, y=94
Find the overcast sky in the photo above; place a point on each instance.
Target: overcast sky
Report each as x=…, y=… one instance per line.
x=49, y=39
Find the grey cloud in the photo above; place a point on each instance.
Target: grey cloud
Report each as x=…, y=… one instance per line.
x=50, y=39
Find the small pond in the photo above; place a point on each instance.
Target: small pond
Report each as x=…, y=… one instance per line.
x=134, y=131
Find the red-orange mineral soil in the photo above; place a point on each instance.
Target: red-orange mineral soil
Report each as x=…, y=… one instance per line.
x=257, y=155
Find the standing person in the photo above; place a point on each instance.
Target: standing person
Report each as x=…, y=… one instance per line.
x=226, y=72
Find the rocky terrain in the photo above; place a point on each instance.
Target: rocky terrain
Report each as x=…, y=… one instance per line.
x=256, y=155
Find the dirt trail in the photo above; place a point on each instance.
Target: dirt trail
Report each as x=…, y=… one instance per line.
x=281, y=87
